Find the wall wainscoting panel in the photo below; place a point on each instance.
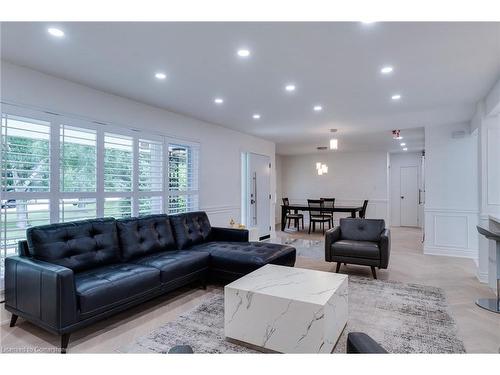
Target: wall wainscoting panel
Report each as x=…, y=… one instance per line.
x=450, y=232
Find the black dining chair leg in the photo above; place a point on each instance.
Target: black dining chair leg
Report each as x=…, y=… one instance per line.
x=310, y=227
x=323, y=226
x=302, y=222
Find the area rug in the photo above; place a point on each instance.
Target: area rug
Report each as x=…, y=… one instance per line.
x=403, y=318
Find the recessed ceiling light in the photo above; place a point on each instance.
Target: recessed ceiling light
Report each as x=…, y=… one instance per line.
x=396, y=97
x=386, y=70
x=290, y=87
x=55, y=32
x=256, y=116
x=160, y=75
x=318, y=108
x=405, y=149
x=403, y=144
x=368, y=22
x=218, y=100
x=243, y=52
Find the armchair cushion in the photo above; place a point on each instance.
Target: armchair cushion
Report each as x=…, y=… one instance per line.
x=356, y=249
x=361, y=229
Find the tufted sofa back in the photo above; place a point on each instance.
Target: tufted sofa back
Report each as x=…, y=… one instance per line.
x=78, y=245
x=191, y=228
x=145, y=235
x=361, y=229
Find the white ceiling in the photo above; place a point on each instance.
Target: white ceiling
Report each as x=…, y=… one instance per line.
x=440, y=69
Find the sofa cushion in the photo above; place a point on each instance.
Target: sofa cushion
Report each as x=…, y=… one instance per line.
x=245, y=257
x=356, y=249
x=175, y=264
x=140, y=236
x=191, y=228
x=78, y=245
x=103, y=287
x=361, y=229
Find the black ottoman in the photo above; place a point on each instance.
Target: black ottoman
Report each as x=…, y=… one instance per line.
x=232, y=260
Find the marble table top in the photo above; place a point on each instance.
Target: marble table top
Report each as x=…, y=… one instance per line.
x=291, y=283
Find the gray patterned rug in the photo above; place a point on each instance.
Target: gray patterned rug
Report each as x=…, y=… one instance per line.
x=403, y=318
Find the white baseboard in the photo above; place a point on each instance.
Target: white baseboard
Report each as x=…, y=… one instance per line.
x=482, y=277
x=451, y=252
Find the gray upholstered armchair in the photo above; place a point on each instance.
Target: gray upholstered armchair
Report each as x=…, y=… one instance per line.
x=359, y=241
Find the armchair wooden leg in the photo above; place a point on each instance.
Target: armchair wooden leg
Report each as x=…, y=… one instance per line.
x=64, y=342
x=13, y=320
x=338, y=267
x=374, y=273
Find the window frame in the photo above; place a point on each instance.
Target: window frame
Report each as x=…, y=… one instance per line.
x=55, y=195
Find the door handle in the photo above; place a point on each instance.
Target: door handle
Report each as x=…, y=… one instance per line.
x=402, y=197
x=252, y=201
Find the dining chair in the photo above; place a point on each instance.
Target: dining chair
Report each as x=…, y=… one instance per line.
x=362, y=213
x=317, y=215
x=330, y=204
x=295, y=216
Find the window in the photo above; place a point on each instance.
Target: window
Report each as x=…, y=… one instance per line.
x=78, y=159
x=59, y=169
x=25, y=155
x=25, y=180
x=71, y=209
x=118, y=159
x=182, y=178
x=117, y=207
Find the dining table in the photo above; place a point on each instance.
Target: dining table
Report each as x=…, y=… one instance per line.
x=304, y=207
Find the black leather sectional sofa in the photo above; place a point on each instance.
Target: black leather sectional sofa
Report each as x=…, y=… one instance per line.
x=70, y=275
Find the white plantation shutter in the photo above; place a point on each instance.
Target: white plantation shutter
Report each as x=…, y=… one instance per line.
x=117, y=207
x=118, y=162
x=183, y=178
x=150, y=165
x=25, y=180
x=58, y=169
x=25, y=155
x=78, y=159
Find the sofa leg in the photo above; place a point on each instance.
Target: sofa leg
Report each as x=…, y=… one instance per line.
x=204, y=283
x=13, y=320
x=374, y=273
x=338, y=267
x=64, y=342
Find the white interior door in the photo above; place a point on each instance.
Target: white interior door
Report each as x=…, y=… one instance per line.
x=409, y=196
x=259, y=193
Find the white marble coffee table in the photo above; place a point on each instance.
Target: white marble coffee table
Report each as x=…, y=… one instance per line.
x=287, y=309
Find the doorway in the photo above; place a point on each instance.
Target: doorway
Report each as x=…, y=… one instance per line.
x=257, y=193
x=409, y=196
x=406, y=189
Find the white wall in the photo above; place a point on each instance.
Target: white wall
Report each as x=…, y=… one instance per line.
x=487, y=122
x=351, y=178
x=396, y=161
x=451, y=204
x=220, y=167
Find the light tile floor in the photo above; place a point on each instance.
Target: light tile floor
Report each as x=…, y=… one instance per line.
x=479, y=329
